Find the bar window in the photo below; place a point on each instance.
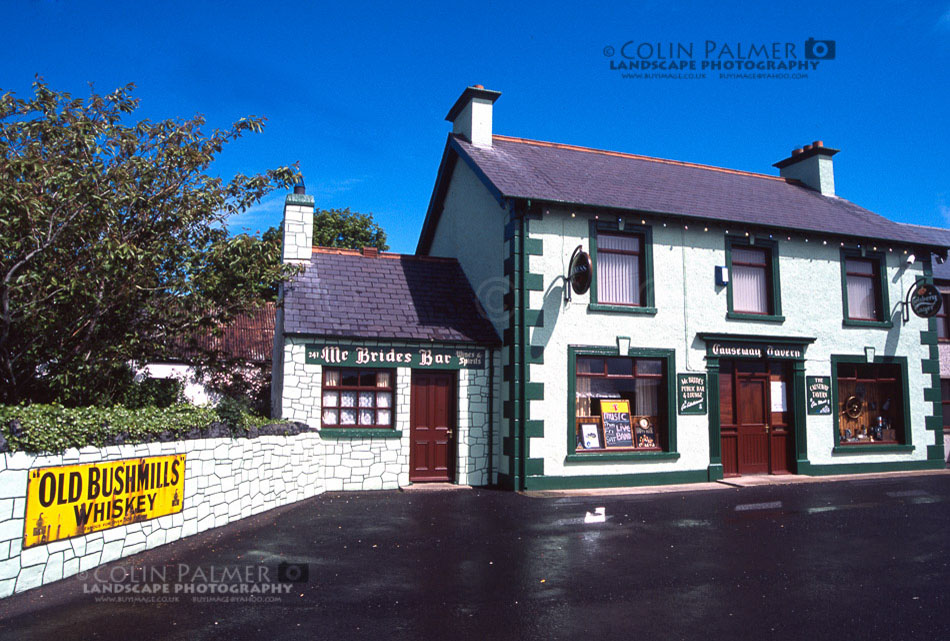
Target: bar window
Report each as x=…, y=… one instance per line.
x=750, y=280
x=620, y=269
x=639, y=382
x=943, y=329
x=863, y=282
x=870, y=404
x=358, y=398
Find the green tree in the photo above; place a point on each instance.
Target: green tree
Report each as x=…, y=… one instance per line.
x=345, y=228
x=112, y=241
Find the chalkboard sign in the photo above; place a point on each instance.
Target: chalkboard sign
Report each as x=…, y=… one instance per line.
x=616, y=418
x=818, y=394
x=692, y=393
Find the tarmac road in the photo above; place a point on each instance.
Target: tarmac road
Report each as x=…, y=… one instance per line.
x=856, y=559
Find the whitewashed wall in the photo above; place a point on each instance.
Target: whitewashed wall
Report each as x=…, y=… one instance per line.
x=225, y=480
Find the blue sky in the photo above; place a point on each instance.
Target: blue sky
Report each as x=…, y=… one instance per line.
x=357, y=92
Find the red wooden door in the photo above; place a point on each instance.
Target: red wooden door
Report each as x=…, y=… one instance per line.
x=752, y=418
x=432, y=425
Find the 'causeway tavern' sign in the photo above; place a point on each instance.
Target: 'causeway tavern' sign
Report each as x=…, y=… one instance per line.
x=756, y=350
x=382, y=356
x=819, y=394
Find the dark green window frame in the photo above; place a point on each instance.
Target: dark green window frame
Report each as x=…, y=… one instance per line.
x=668, y=356
x=880, y=260
x=907, y=445
x=774, y=284
x=645, y=232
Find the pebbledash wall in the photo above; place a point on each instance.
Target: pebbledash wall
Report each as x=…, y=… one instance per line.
x=225, y=480
x=379, y=459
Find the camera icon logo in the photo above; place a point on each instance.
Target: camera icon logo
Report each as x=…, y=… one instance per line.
x=293, y=572
x=819, y=49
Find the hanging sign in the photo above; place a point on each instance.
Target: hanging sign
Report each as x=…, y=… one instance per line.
x=417, y=357
x=72, y=500
x=616, y=417
x=925, y=300
x=691, y=395
x=580, y=272
x=818, y=394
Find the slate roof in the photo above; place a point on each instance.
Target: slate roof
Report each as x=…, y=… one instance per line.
x=392, y=296
x=542, y=171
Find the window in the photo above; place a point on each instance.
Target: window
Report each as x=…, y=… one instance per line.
x=623, y=270
x=872, y=403
x=358, y=398
x=621, y=403
x=864, y=288
x=945, y=400
x=619, y=272
x=943, y=320
x=753, y=290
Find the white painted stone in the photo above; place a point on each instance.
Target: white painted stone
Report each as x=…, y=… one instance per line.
x=11, y=529
x=13, y=483
x=54, y=568
x=9, y=568
x=6, y=587
x=34, y=556
x=31, y=577
x=71, y=567
x=89, y=561
x=155, y=539
x=112, y=551
x=19, y=461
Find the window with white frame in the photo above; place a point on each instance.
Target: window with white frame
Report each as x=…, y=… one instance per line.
x=620, y=269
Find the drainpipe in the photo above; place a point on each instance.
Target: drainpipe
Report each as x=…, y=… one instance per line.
x=491, y=415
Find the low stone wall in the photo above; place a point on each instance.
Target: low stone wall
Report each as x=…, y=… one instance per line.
x=225, y=480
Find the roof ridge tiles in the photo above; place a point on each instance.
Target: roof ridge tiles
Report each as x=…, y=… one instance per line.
x=620, y=154
x=346, y=251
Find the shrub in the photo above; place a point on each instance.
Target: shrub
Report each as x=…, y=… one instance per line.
x=54, y=428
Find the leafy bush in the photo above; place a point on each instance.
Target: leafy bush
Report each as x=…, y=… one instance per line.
x=154, y=392
x=54, y=428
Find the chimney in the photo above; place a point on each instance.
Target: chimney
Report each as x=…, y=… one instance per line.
x=812, y=165
x=471, y=115
x=298, y=226
x=370, y=252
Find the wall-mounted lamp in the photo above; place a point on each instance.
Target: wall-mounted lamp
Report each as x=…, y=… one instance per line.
x=722, y=275
x=910, y=259
x=623, y=345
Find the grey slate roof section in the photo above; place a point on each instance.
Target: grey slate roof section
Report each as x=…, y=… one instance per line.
x=389, y=297
x=546, y=172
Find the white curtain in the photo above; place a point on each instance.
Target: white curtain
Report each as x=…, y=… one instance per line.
x=648, y=397
x=749, y=285
x=618, y=275
x=861, y=290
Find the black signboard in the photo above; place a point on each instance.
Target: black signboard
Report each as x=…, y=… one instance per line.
x=615, y=415
x=925, y=300
x=691, y=398
x=580, y=272
x=818, y=394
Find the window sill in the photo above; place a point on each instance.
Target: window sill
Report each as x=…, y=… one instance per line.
x=621, y=309
x=848, y=322
x=869, y=448
x=762, y=318
x=353, y=432
x=622, y=456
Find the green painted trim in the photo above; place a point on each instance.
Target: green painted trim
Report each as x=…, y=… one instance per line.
x=775, y=291
x=757, y=318
x=881, y=259
x=932, y=395
x=534, y=317
x=668, y=355
x=534, y=467
x=647, y=301
x=837, y=359
x=708, y=337
x=534, y=429
x=346, y=432
x=643, y=457
x=504, y=481
x=937, y=453
x=934, y=423
x=867, y=324
x=715, y=432
x=929, y=337
x=534, y=391
x=299, y=199
x=714, y=472
x=534, y=282
x=614, y=480
x=534, y=246
x=868, y=468
x=535, y=354
x=869, y=448
x=621, y=309
x=930, y=366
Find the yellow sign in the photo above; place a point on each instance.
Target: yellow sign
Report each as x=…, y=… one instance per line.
x=72, y=500
x=615, y=407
